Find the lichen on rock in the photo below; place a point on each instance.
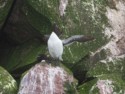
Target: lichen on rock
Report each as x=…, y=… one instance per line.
x=8, y=84
x=47, y=79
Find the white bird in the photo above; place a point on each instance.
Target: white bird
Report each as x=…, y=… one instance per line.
x=55, y=46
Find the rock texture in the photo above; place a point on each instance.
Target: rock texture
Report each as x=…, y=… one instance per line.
x=47, y=79
x=107, y=63
x=8, y=84
x=97, y=65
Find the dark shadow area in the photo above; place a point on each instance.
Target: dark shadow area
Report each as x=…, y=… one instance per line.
x=80, y=70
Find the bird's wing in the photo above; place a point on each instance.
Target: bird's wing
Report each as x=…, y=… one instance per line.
x=78, y=38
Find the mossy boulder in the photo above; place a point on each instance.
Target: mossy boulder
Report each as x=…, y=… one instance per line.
x=7, y=83
x=24, y=23
x=21, y=55
x=106, y=64
x=108, y=77
x=105, y=83
x=107, y=68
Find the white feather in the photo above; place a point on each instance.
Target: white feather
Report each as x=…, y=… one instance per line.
x=55, y=46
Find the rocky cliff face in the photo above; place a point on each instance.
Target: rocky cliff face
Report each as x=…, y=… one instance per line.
x=98, y=65
x=108, y=68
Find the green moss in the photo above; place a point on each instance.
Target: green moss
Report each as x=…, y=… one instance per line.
x=83, y=17
x=39, y=21
x=113, y=71
x=7, y=84
x=88, y=88
x=117, y=81
x=91, y=86
x=100, y=68
x=70, y=88
x=23, y=55
x=4, y=9
x=47, y=8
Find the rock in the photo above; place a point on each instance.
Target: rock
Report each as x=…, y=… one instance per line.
x=7, y=83
x=104, y=84
x=109, y=77
x=102, y=59
x=106, y=64
x=74, y=17
x=21, y=55
x=44, y=78
x=24, y=23
x=71, y=17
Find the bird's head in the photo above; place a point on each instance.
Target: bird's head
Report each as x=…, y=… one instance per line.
x=53, y=36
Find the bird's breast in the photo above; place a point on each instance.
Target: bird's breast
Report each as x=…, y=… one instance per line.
x=55, y=48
